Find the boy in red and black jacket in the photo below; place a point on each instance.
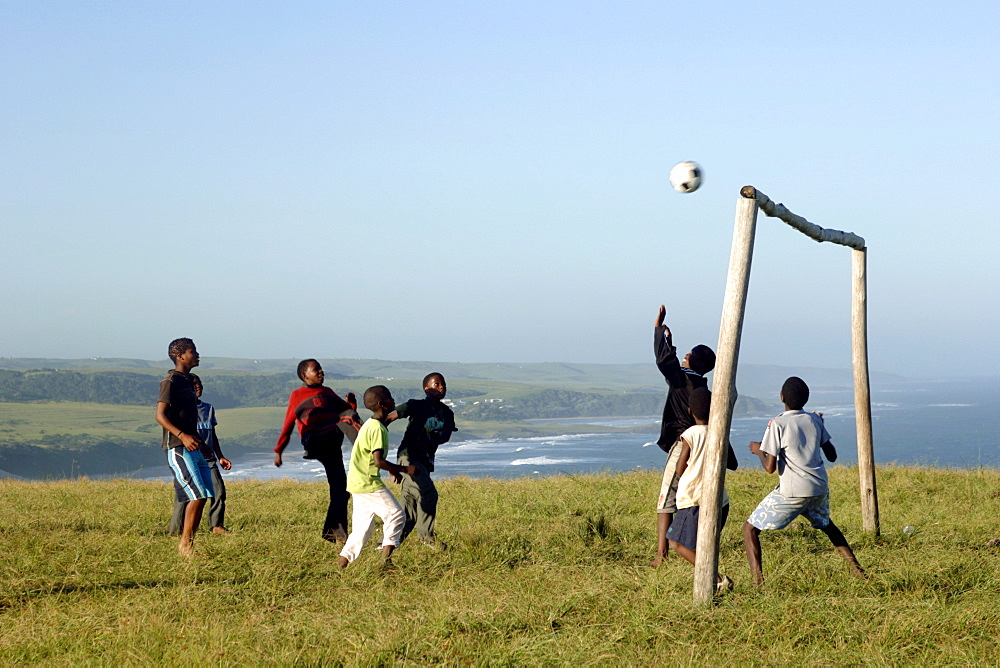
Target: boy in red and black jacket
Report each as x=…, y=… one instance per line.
x=324, y=419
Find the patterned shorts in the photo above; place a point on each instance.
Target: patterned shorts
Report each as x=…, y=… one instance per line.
x=777, y=511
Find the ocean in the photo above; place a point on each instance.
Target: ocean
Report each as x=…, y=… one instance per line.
x=945, y=423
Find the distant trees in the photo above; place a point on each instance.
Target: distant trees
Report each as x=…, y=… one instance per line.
x=139, y=389
x=236, y=390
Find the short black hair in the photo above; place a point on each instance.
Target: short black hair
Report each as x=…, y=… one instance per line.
x=702, y=359
x=795, y=393
x=433, y=374
x=178, y=347
x=375, y=395
x=701, y=403
x=303, y=365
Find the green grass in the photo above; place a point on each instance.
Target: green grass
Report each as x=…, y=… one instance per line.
x=541, y=571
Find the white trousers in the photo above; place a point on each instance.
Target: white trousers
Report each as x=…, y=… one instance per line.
x=366, y=507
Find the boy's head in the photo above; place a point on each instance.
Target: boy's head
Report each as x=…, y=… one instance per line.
x=310, y=372
x=178, y=347
x=198, y=387
x=434, y=386
x=701, y=404
x=378, y=399
x=183, y=352
x=701, y=359
x=795, y=393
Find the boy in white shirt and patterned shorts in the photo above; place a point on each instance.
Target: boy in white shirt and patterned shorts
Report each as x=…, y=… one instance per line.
x=794, y=443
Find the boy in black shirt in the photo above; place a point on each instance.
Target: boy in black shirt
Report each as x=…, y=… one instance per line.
x=177, y=413
x=682, y=377
x=431, y=424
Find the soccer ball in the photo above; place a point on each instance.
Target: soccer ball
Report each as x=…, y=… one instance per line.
x=685, y=177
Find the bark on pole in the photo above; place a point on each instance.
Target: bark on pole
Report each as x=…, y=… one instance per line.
x=862, y=390
x=723, y=392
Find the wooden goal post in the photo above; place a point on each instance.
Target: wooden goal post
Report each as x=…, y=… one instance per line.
x=727, y=356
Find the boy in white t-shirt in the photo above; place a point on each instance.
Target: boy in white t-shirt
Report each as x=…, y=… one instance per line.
x=683, y=531
x=794, y=443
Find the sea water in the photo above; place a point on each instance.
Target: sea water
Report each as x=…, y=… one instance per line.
x=942, y=423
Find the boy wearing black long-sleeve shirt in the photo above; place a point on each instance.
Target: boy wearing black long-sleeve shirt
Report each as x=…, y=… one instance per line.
x=682, y=376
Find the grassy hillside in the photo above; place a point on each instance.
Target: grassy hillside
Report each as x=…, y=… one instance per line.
x=98, y=422
x=540, y=572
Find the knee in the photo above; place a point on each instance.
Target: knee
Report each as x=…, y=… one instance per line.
x=750, y=531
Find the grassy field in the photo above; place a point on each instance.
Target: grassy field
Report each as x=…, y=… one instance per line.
x=540, y=571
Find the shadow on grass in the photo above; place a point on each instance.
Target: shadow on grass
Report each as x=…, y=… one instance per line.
x=13, y=601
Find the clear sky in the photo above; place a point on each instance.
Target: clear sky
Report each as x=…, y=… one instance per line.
x=487, y=181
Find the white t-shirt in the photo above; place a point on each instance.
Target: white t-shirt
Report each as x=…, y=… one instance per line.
x=794, y=438
x=690, y=485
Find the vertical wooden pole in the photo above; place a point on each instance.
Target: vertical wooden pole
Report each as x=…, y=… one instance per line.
x=723, y=393
x=862, y=391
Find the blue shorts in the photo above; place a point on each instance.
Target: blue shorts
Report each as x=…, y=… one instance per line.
x=684, y=529
x=192, y=476
x=777, y=511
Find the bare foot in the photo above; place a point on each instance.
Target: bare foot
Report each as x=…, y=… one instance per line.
x=655, y=563
x=186, y=548
x=993, y=543
x=222, y=530
x=342, y=562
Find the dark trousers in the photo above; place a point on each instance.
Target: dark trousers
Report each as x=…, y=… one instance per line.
x=216, y=511
x=336, y=513
x=419, y=498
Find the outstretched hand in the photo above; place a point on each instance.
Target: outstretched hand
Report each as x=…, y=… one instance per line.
x=661, y=315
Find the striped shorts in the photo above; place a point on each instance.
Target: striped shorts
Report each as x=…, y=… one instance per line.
x=192, y=476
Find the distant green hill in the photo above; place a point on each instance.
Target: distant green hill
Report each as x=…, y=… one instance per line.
x=64, y=417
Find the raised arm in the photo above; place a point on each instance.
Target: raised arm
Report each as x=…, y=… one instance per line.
x=666, y=356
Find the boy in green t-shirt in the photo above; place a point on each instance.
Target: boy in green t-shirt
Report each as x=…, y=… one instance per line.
x=364, y=482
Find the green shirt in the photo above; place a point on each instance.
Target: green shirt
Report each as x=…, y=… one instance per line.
x=362, y=474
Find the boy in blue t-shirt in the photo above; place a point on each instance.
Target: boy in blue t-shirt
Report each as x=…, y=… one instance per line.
x=794, y=443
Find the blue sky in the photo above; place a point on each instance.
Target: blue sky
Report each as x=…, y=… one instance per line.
x=455, y=181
